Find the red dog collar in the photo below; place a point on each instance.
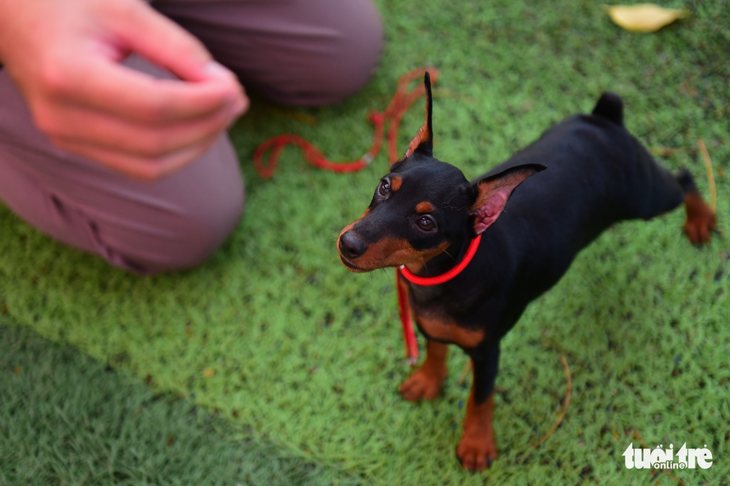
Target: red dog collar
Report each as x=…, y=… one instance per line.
x=426, y=281
x=409, y=335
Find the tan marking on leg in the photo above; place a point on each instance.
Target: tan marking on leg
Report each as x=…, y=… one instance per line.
x=446, y=329
x=424, y=207
x=425, y=382
x=477, y=448
x=700, y=219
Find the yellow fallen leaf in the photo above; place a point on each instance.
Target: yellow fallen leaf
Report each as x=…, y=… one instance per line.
x=208, y=373
x=645, y=17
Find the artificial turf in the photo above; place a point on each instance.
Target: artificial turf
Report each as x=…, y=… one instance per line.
x=69, y=419
x=292, y=350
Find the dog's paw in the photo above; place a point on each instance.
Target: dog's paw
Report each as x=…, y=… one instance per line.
x=422, y=385
x=476, y=451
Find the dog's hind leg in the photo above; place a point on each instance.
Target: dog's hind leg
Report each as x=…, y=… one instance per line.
x=661, y=191
x=477, y=448
x=701, y=220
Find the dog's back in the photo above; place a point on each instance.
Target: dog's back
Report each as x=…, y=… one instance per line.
x=597, y=174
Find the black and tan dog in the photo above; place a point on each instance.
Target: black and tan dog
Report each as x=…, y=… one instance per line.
x=580, y=177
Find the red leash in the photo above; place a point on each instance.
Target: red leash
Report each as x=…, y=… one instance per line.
x=397, y=108
x=409, y=336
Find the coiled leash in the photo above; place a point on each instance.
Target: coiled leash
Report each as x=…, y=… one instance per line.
x=397, y=108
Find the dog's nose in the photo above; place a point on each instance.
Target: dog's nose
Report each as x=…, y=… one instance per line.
x=351, y=246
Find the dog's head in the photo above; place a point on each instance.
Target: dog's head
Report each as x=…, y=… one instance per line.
x=423, y=206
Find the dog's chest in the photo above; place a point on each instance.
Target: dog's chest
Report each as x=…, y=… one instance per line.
x=441, y=327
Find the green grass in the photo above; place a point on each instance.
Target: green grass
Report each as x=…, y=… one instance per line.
x=307, y=356
x=68, y=419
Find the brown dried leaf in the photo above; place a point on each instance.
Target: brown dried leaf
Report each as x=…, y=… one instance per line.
x=644, y=17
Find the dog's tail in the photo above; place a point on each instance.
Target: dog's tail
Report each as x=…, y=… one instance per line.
x=611, y=107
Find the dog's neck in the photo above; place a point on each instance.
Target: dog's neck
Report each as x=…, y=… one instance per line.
x=441, y=263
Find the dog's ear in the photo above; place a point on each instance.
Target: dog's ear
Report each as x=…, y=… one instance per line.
x=423, y=142
x=493, y=192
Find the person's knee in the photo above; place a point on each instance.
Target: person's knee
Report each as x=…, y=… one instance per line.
x=196, y=212
x=184, y=241
x=342, y=66
x=297, y=52
x=210, y=212
x=203, y=232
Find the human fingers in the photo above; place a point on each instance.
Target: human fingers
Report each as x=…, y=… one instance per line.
x=168, y=45
x=136, y=167
x=139, y=28
x=105, y=86
x=79, y=126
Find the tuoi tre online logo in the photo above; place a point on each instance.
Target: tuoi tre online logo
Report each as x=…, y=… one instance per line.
x=661, y=458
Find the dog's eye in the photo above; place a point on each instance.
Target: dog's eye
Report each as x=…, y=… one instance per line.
x=384, y=188
x=426, y=223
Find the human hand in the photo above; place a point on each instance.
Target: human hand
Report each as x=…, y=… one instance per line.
x=65, y=59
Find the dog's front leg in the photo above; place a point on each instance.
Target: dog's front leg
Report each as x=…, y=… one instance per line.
x=425, y=382
x=477, y=448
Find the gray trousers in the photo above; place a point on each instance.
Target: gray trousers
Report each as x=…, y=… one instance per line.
x=295, y=52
